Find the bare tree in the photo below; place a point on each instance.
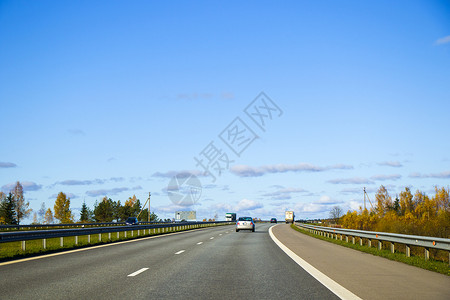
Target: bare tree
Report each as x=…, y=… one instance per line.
x=22, y=207
x=336, y=213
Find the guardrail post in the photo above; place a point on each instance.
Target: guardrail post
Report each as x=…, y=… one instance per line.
x=89, y=238
x=139, y=232
x=23, y=246
x=369, y=243
x=44, y=243
x=408, y=251
x=340, y=236
x=360, y=241
x=346, y=238
x=132, y=232
x=380, y=245
x=427, y=254
x=76, y=240
x=118, y=234
x=61, y=242
x=353, y=240
x=392, y=248
x=125, y=233
x=109, y=235
x=99, y=237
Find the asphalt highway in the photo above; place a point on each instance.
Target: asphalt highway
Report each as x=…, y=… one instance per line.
x=212, y=263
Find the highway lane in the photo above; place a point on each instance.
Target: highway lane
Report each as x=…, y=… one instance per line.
x=213, y=263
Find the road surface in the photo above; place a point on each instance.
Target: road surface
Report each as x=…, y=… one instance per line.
x=212, y=263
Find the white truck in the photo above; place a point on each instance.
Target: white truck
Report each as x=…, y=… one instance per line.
x=230, y=217
x=290, y=216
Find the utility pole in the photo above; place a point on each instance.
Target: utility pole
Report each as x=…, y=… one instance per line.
x=149, y=206
x=364, y=198
x=143, y=206
x=365, y=193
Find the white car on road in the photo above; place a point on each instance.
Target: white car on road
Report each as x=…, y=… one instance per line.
x=245, y=223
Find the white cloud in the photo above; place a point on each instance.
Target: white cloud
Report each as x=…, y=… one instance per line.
x=326, y=200
x=179, y=174
x=246, y=205
x=248, y=171
x=284, y=193
x=445, y=174
x=81, y=182
x=395, y=164
x=76, y=131
x=355, y=205
x=354, y=180
x=386, y=177
x=7, y=165
x=444, y=40
x=106, y=192
x=117, y=179
x=28, y=186
x=358, y=190
x=69, y=195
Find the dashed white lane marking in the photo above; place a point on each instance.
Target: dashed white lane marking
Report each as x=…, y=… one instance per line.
x=220, y=234
x=199, y=243
x=329, y=283
x=179, y=252
x=211, y=238
x=137, y=272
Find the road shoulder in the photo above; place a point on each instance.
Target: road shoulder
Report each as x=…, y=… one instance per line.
x=366, y=275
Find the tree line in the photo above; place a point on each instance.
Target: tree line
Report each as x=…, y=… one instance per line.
x=14, y=208
x=408, y=213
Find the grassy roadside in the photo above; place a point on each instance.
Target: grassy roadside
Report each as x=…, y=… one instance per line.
x=431, y=265
x=13, y=250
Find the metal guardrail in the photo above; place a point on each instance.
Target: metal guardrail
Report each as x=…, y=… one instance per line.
x=408, y=240
x=55, y=233
x=71, y=225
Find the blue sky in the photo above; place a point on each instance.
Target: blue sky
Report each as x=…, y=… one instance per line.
x=115, y=97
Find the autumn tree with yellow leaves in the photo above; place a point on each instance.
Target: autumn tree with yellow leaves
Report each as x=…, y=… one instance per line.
x=417, y=214
x=62, y=210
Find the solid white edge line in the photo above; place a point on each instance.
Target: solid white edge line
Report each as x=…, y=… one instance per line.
x=179, y=252
x=329, y=283
x=137, y=272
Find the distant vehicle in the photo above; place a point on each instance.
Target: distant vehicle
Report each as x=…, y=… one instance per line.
x=132, y=221
x=273, y=220
x=290, y=216
x=245, y=223
x=230, y=217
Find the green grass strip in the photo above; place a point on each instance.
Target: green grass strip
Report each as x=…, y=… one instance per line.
x=417, y=261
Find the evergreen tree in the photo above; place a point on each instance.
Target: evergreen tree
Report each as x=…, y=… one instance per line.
x=104, y=212
x=8, y=210
x=397, y=205
x=86, y=214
